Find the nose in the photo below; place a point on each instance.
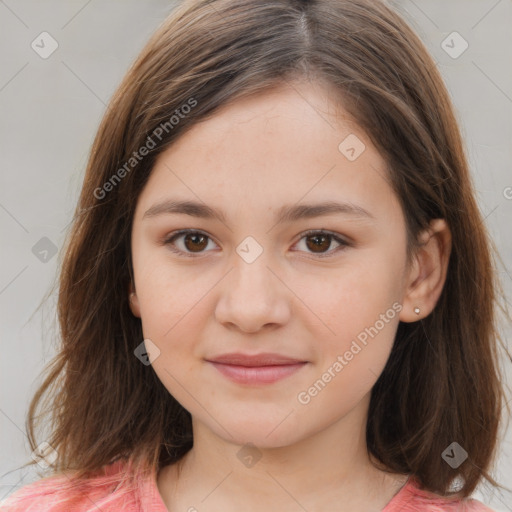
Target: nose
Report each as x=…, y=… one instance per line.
x=253, y=296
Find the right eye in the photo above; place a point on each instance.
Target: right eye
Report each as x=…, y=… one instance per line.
x=193, y=242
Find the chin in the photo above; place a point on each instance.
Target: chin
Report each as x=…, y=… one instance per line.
x=260, y=432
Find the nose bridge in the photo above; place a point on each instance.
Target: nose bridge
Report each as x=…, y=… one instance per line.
x=252, y=278
x=252, y=295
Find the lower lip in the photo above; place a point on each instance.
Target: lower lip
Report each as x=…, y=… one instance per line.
x=257, y=374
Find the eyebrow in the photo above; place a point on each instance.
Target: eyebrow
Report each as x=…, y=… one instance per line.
x=287, y=213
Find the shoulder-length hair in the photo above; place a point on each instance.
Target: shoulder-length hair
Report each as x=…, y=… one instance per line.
x=442, y=380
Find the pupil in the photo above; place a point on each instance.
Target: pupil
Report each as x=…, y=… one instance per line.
x=317, y=245
x=194, y=238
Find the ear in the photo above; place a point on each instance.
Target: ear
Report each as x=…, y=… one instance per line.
x=134, y=301
x=427, y=273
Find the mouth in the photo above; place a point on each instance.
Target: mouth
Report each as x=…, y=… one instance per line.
x=256, y=369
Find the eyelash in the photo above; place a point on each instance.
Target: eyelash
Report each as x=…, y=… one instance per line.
x=173, y=236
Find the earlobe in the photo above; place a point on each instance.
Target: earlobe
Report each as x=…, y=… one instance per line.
x=134, y=304
x=428, y=272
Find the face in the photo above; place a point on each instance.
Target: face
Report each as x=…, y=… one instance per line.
x=320, y=287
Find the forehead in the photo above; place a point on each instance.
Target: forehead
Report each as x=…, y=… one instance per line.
x=288, y=144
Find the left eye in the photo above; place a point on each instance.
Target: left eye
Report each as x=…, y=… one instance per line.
x=195, y=242
x=320, y=240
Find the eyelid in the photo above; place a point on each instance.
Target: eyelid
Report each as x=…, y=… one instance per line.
x=175, y=234
x=343, y=240
x=337, y=237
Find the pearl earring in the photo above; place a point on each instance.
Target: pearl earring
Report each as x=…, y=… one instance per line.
x=417, y=310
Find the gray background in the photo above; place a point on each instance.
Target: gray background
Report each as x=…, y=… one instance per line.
x=50, y=110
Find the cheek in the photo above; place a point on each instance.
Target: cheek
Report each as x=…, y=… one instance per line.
x=348, y=367
x=175, y=308
x=170, y=296
x=361, y=309
x=351, y=299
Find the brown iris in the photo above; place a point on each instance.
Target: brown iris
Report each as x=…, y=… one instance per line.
x=198, y=241
x=322, y=242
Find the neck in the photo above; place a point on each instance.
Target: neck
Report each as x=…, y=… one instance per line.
x=330, y=466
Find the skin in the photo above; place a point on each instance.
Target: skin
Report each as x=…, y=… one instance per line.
x=252, y=157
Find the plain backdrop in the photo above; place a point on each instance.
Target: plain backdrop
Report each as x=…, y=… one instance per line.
x=50, y=110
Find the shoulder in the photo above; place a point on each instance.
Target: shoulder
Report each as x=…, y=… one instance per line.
x=38, y=495
x=412, y=498
x=463, y=505
x=110, y=490
x=477, y=506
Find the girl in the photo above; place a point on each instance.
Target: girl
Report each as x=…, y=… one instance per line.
x=278, y=292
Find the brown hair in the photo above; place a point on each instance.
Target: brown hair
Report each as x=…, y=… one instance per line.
x=441, y=383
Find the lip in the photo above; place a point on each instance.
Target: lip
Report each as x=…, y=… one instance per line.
x=256, y=369
x=263, y=359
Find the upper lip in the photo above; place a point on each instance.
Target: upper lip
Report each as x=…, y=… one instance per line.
x=265, y=359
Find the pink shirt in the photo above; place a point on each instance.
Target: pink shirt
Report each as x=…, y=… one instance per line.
x=109, y=494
